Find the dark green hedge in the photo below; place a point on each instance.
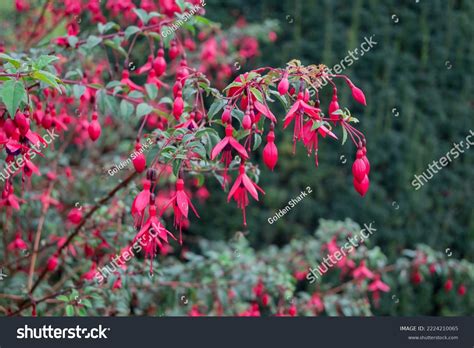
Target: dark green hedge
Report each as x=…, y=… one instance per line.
x=422, y=66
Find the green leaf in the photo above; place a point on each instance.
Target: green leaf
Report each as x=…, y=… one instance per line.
x=167, y=34
x=181, y=4
x=202, y=20
x=166, y=100
x=234, y=84
x=15, y=62
x=87, y=303
x=151, y=90
x=344, y=135
x=92, y=41
x=103, y=28
x=115, y=46
x=216, y=107
x=338, y=112
x=100, y=100
x=126, y=109
x=63, y=298
x=135, y=95
x=142, y=15
x=257, y=140
x=176, y=167
x=257, y=94
x=69, y=310
x=72, y=41
x=113, y=84
x=44, y=60
x=82, y=312
x=78, y=90
x=47, y=78
x=131, y=30
x=143, y=109
x=13, y=93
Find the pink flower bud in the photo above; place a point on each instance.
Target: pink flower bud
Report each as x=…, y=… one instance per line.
x=270, y=151
x=139, y=162
x=283, y=86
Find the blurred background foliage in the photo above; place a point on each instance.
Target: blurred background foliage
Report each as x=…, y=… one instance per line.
x=418, y=80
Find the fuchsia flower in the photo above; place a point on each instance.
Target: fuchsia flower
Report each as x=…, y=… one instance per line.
x=241, y=187
x=310, y=137
x=181, y=204
x=8, y=198
x=376, y=287
x=225, y=146
x=18, y=243
x=90, y=274
x=132, y=85
x=147, y=66
x=153, y=233
x=264, y=110
x=362, y=272
x=296, y=112
x=141, y=201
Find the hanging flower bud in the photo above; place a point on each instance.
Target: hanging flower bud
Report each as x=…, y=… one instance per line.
x=174, y=50
x=270, y=151
x=159, y=64
x=363, y=186
x=139, y=162
x=448, y=285
x=177, y=87
x=357, y=94
x=462, y=290
x=247, y=121
x=178, y=106
x=333, y=106
x=94, y=128
x=283, y=85
x=358, y=168
x=182, y=71
x=47, y=121
x=52, y=263
x=22, y=122
x=366, y=161
x=226, y=115
x=74, y=216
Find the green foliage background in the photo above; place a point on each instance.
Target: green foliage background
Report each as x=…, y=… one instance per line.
x=409, y=71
